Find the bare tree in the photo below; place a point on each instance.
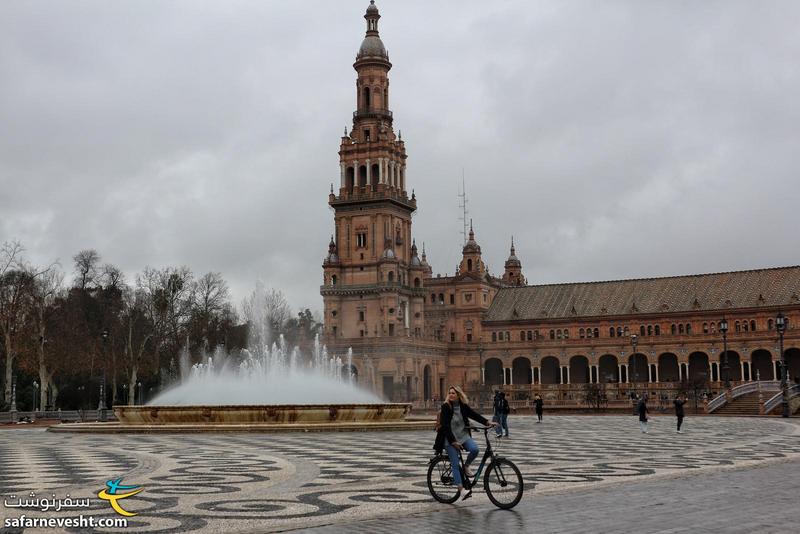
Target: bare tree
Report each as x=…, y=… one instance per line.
x=45, y=290
x=210, y=298
x=140, y=332
x=111, y=277
x=266, y=312
x=15, y=284
x=86, y=262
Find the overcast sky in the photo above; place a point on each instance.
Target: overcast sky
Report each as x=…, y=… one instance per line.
x=612, y=139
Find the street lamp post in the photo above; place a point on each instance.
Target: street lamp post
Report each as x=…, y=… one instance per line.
x=634, y=342
x=13, y=408
x=141, y=394
x=723, y=327
x=780, y=325
x=125, y=392
x=101, y=407
x=33, y=406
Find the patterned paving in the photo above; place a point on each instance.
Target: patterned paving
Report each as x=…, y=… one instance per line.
x=270, y=482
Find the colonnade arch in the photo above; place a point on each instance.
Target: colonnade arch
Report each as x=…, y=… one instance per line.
x=637, y=368
x=793, y=362
x=493, y=373
x=551, y=370
x=668, y=370
x=609, y=368
x=579, y=370
x=521, y=372
x=699, y=370
x=734, y=365
x=763, y=368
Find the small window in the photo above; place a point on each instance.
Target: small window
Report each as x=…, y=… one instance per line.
x=581, y=333
x=530, y=335
x=453, y=337
x=361, y=316
x=589, y=333
x=452, y=298
x=738, y=326
x=566, y=333
x=649, y=330
x=626, y=332
x=641, y=330
x=391, y=329
x=469, y=265
x=361, y=240
x=536, y=335
x=416, y=282
x=362, y=333
x=753, y=326
x=611, y=332
x=596, y=332
x=508, y=336
x=713, y=328
x=433, y=298
x=745, y=326
x=680, y=329
x=333, y=313
x=770, y=324
x=333, y=280
x=469, y=337
x=619, y=331
x=658, y=330
x=552, y=334
x=688, y=329
x=494, y=336
x=674, y=329
x=558, y=334
x=522, y=335
x=705, y=328
x=334, y=331
x=441, y=298
x=366, y=134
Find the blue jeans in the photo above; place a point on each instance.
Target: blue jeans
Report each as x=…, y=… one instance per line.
x=503, y=424
x=472, y=447
x=496, y=418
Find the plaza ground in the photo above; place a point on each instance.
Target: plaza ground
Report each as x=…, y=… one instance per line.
x=582, y=474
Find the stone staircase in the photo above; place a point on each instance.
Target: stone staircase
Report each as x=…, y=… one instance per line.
x=743, y=405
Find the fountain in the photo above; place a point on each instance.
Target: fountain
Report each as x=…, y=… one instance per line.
x=265, y=388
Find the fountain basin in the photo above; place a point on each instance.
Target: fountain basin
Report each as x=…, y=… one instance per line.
x=276, y=414
x=256, y=418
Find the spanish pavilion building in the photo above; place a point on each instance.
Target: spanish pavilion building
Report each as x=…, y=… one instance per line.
x=413, y=333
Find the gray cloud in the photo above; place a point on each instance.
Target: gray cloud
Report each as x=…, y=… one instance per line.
x=621, y=139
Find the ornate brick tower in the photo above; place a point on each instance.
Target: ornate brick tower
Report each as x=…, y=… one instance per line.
x=372, y=275
x=513, y=269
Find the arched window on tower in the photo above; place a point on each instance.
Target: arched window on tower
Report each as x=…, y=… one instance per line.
x=365, y=101
x=391, y=276
x=596, y=332
x=680, y=329
x=581, y=333
x=433, y=298
x=441, y=298
x=350, y=179
x=362, y=176
x=333, y=280
x=494, y=336
x=611, y=332
x=469, y=265
x=374, y=175
x=658, y=330
x=752, y=326
x=416, y=282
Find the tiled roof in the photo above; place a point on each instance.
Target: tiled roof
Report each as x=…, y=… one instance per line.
x=719, y=291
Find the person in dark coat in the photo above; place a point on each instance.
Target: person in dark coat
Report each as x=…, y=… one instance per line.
x=454, y=434
x=538, y=404
x=496, y=409
x=643, y=411
x=505, y=409
x=679, y=402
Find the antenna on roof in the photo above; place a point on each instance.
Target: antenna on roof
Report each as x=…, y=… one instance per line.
x=462, y=203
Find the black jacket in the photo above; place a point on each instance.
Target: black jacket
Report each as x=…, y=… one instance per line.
x=642, y=411
x=539, y=404
x=679, y=407
x=445, y=431
x=505, y=409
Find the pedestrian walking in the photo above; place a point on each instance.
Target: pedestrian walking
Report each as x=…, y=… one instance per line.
x=539, y=407
x=679, y=401
x=505, y=409
x=643, y=411
x=496, y=408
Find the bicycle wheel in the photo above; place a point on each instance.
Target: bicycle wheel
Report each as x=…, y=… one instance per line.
x=503, y=483
x=440, y=480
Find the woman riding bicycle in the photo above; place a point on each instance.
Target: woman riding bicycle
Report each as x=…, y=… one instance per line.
x=454, y=435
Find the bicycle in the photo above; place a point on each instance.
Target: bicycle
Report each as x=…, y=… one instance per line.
x=502, y=483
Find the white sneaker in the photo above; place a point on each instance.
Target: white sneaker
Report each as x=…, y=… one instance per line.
x=464, y=494
x=680, y=432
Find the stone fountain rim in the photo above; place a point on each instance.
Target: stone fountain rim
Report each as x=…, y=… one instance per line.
x=262, y=406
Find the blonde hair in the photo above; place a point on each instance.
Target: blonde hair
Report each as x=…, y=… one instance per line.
x=462, y=397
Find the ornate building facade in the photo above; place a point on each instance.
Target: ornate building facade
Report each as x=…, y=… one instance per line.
x=413, y=334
